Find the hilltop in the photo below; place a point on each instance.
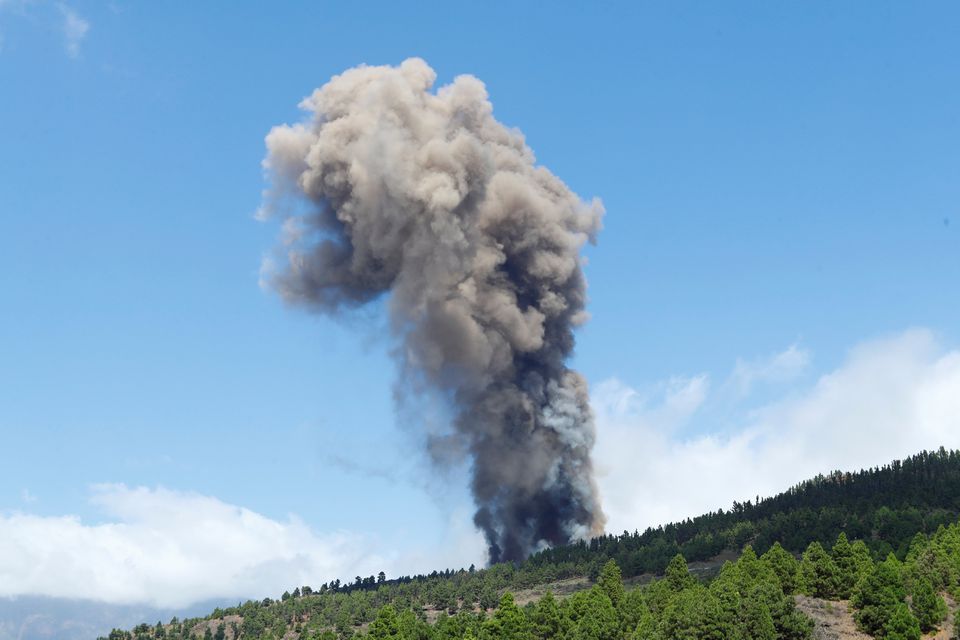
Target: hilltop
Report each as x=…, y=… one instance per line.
x=880, y=538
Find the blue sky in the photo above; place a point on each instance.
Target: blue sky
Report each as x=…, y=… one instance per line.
x=783, y=208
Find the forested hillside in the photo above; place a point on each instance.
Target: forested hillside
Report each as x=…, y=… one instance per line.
x=884, y=506
x=906, y=557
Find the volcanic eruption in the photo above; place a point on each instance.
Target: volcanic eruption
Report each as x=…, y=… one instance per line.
x=391, y=188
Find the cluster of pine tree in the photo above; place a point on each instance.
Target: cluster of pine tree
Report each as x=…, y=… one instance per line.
x=885, y=506
x=893, y=579
x=746, y=601
x=893, y=599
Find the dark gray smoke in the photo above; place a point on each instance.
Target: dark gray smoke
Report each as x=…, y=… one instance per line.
x=425, y=196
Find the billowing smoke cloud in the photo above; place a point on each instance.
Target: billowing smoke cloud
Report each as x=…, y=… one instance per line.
x=426, y=196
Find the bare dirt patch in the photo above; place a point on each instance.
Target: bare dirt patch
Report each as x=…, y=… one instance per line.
x=560, y=589
x=199, y=628
x=833, y=620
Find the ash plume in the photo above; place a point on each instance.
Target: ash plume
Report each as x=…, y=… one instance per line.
x=393, y=188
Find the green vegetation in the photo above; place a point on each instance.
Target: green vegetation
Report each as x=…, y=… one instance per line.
x=877, y=595
x=904, y=553
x=902, y=625
x=885, y=507
x=745, y=600
x=928, y=606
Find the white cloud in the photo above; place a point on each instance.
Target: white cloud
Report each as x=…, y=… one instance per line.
x=75, y=30
x=780, y=367
x=890, y=398
x=170, y=549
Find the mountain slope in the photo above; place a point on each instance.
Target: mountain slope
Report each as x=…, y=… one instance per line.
x=886, y=507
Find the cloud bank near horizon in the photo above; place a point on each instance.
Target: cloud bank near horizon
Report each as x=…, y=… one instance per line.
x=655, y=459
x=890, y=398
x=170, y=549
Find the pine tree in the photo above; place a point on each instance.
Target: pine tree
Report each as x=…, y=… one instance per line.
x=599, y=620
x=784, y=565
x=411, y=627
x=677, y=576
x=611, y=581
x=877, y=595
x=657, y=596
x=791, y=624
x=509, y=622
x=928, y=607
x=386, y=626
x=694, y=614
x=902, y=625
x=818, y=575
x=546, y=620
x=862, y=560
x=753, y=570
x=633, y=609
x=846, y=563
x=646, y=628
x=727, y=594
x=488, y=597
x=757, y=621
